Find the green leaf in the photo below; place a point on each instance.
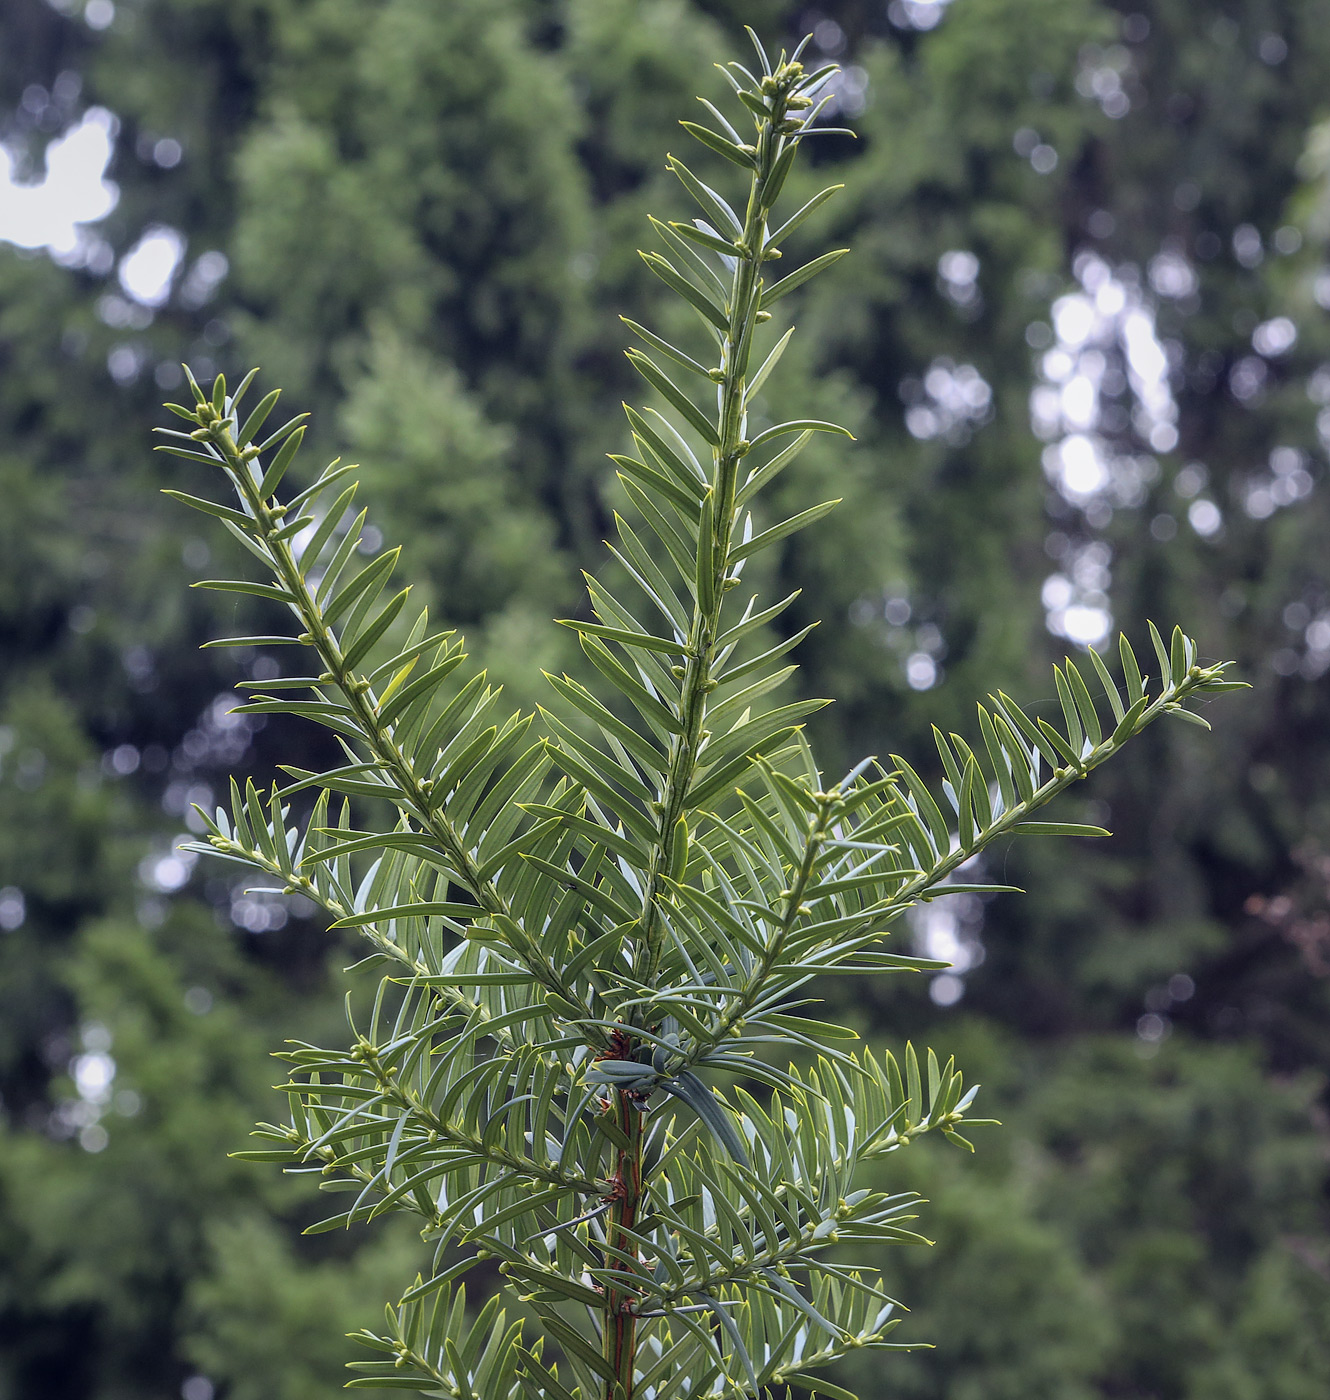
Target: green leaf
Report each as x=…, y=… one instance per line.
x=242, y=387
x=1106, y=681
x=684, y=288
x=333, y=1222
x=1022, y=761
x=695, y=260
x=711, y=203
x=709, y=1108
x=331, y=473
x=800, y=425
x=773, y=359
x=1179, y=713
x=391, y=709
x=928, y=809
x=723, y=120
x=676, y=458
x=705, y=239
x=292, y=528
x=207, y=458
x=1084, y=705
x=660, y=343
x=364, y=642
x=753, y=620
x=595, y=893
x=256, y=590
x=1054, y=744
x=641, y=748
x=795, y=219
x=914, y=1089
x=799, y=276
x=1180, y=655
x=373, y=576
x=762, y=737
x=193, y=383
x=253, y=642
x=949, y=765
x=625, y=638
x=341, y=557
x=1058, y=829
x=603, y=787
x=318, y=541
x=704, y=575
x=647, y=705
x=819, y=1385
x=765, y=473
x=653, y=481
x=1166, y=676
x=446, y=909
x=779, y=532
x=236, y=517
x=253, y=542
x=671, y=391
x=731, y=1330
x=756, y=663
x=971, y=783
x=282, y=433
x=998, y=758
x=277, y=470
x=742, y=156
x=1130, y=670
x=1070, y=715
x=256, y=419
x=1127, y=725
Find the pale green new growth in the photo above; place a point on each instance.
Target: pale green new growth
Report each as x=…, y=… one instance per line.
x=578, y=936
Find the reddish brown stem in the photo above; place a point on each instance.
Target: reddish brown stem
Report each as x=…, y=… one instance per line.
x=620, y=1327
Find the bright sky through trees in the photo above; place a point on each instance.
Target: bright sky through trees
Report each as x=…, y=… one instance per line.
x=49, y=213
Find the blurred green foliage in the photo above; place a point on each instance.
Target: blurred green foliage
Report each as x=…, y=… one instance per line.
x=447, y=197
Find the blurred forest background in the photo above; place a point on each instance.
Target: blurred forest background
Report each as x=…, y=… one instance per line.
x=1083, y=340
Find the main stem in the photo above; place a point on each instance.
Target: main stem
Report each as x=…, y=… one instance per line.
x=715, y=538
x=620, y=1319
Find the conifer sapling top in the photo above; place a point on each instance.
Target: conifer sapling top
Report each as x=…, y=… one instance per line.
x=590, y=1060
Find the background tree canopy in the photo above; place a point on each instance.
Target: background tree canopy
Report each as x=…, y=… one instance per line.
x=1083, y=341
